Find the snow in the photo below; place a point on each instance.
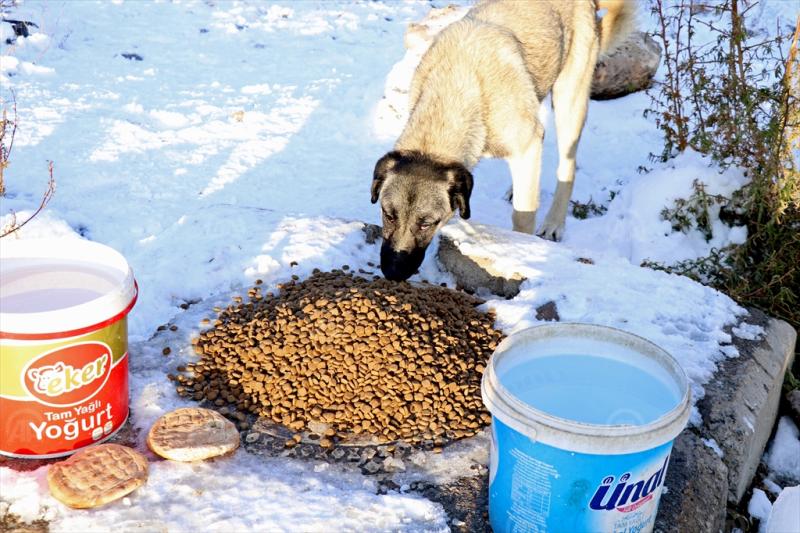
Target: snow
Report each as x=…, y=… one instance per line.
x=783, y=457
x=785, y=514
x=783, y=466
x=194, y=496
x=244, y=141
x=634, y=228
x=772, y=487
x=711, y=443
x=747, y=331
x=760, y=507
x=683, y=317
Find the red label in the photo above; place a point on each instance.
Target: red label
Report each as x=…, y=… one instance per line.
x=30, y=429
x=635, y=505
x=69, y=376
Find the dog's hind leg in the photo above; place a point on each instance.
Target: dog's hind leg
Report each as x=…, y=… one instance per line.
x=570, y=103
x=525, y=170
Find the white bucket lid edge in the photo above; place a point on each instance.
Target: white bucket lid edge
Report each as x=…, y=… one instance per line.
x=577, y=436
x=77, y=317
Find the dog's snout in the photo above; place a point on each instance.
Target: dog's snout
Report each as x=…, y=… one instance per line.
x=400, y=265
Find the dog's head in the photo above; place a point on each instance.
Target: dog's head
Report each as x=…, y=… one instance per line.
x=418, y=195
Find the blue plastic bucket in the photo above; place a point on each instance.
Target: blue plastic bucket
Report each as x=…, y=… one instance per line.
x=583, y=419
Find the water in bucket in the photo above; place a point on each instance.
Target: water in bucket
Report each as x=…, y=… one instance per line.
x=583, y=423
x=590, y=389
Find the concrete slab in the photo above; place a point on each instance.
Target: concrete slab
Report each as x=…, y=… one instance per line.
x=741, y=402
x=474, y=272
x=697, y=489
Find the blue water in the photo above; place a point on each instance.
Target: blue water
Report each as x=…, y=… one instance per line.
x=590, y=389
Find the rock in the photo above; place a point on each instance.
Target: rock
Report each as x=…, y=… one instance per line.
x=372, y=233
x=697, y=489
x=132, y=56
x=368, y=453
x=371, y=467
x=390, y=464
x=338, y=454
x=353, y=455
x=474, y=272
x=627, y=69
x=548, y=312
x=741, y=401
x=465, y=501
x=793, y=399
x=20, y=27
x=306, y=451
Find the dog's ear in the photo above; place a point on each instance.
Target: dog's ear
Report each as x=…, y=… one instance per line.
x=384, y=165
x=460, y=181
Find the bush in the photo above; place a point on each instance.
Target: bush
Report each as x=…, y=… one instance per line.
x=736, y=99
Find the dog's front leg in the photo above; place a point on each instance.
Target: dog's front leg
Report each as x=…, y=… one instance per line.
x=525, y=169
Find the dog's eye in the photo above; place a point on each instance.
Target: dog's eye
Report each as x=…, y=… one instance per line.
x=388, y=217
x=426, y=225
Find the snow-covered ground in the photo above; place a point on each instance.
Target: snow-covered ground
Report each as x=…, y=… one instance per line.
x=241, y=137
x=782, y=460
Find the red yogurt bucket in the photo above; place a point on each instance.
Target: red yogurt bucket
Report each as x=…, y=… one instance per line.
x=63, y=345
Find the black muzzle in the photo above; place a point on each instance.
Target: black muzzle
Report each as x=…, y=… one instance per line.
x=399, y=266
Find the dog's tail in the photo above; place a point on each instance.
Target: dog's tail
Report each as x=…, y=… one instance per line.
x=617, y=23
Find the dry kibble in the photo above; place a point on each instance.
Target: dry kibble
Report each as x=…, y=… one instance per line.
x=357, y=355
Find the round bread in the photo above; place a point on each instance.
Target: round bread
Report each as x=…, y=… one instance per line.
x=192, y=434
x=96, y=476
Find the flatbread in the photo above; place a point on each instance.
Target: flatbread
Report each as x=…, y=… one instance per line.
x=97, y=475
x=192, y=434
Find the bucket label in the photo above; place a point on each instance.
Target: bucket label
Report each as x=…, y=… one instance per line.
x=59, y=396
x=626, y=495
x=536, y=488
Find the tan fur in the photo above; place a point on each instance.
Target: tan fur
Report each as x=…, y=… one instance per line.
x=618, y=22
x=478, y=89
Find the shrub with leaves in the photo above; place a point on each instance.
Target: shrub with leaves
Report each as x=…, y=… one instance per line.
x=736, y=98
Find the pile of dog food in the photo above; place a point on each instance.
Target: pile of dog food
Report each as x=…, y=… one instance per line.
x=353, y=355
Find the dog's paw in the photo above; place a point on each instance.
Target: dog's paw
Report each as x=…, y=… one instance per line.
x=552, y=231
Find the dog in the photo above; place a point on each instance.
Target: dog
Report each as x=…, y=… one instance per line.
x=476, y=93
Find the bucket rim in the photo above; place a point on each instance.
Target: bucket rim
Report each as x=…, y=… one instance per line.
x=71, y=320
x=577, y=436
